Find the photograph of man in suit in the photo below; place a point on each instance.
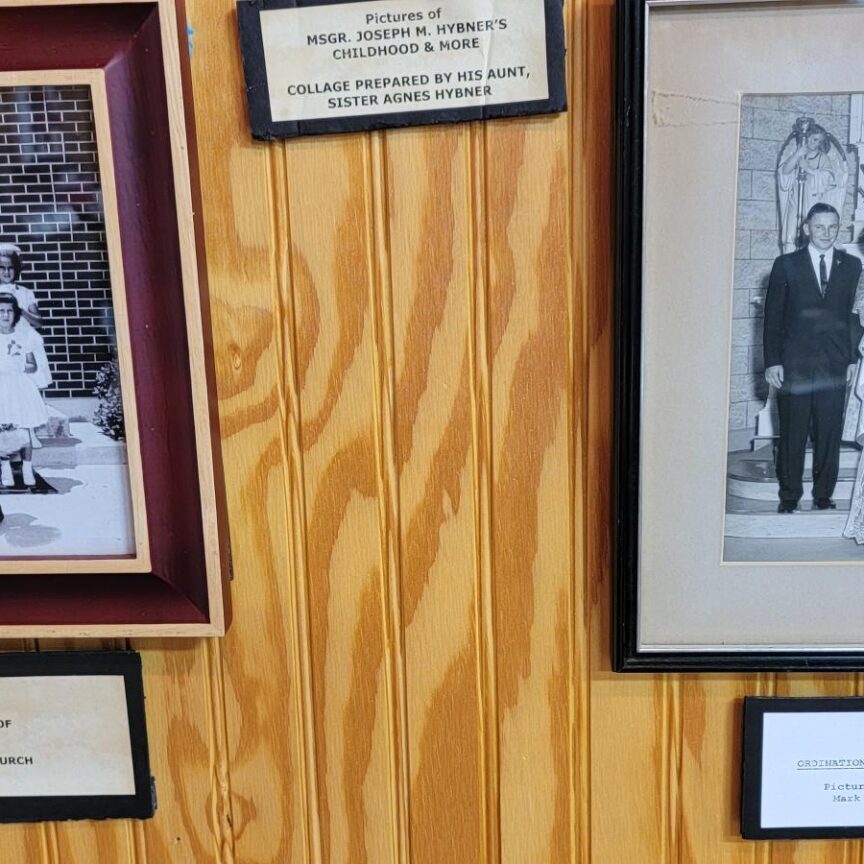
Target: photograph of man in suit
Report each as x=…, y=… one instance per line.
x=810, y=347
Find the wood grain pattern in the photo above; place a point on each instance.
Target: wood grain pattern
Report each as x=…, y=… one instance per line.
x=265, y=693
x=709, y=822
x=412, y=335
x=183, y=755
x=430, y=239
x=528, y=333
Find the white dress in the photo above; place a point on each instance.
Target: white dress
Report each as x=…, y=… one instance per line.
x=855, y=523
x=21, y=402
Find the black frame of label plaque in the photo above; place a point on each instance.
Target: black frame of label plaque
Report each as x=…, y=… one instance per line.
x=127, y=664
x=755, y=708
x=258, y=92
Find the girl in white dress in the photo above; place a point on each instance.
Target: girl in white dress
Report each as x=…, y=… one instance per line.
x=855, y=415
x=23, y=371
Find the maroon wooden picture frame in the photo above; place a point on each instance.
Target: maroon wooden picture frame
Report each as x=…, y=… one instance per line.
x=185, y=592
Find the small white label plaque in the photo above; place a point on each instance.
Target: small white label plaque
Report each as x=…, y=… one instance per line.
x=803, y=768
x=65, y=736
x=813, y=769
x=386, y=56
x=316, y=66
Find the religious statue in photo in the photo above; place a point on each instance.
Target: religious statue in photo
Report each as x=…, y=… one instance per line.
x=812, y=169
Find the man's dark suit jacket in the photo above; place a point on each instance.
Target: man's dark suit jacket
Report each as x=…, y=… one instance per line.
x=803, y=330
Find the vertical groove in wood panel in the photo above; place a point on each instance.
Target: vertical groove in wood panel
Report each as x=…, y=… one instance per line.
x=670, y=774
x=381, y=301
x=136, y=842
x=220, y=769
x=579, y=392
x=669, y=789
x=676, y=729
x=139, y=841
x=481, y=423
x=626, y=710
x=429, y=234
x=132, y=849
x=178, y=727
x=50, y=849
x=291, y=424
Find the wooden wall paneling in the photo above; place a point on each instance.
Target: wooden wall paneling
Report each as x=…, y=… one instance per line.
x=26, y=843
x=348, y=538
x=389, y=497
x=92, y=841
x=579, y=613
x=711, y=717
x=483, y=477
x=413, y=344
x=427, y=186
x=631, y=764
x=184, y=756
x=527, y=185
x=260, y=810
x=630, y=724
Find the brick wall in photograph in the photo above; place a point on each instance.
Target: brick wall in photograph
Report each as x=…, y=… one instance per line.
x=51, y=207
x=766, y=122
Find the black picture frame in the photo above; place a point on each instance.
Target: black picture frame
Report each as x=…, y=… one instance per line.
x=626, y=653
x=127, y=664
x=755, y=709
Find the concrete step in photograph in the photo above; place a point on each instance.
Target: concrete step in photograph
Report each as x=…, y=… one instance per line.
x=752, y=475
x=84, y=444
x=753, y=518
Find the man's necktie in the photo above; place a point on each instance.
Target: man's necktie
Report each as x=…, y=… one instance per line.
x=823, y=275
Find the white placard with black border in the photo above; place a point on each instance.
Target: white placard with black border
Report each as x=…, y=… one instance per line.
x=803, y=769
x=73, y=737
x=317, y=67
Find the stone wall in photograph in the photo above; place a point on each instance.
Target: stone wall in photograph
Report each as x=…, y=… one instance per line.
x=766, y=122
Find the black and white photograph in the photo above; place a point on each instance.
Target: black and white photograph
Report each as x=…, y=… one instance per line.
x=65, y=485
x=796, y=425
x=739, y=413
